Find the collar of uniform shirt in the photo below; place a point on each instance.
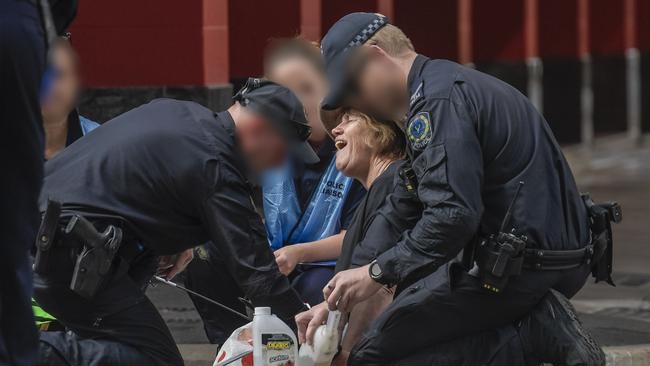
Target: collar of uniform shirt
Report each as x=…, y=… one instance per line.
x=414, y=73
x=227, y=122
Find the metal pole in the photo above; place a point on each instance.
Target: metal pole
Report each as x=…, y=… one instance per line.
x=586, y=88
x=633, y=74
x=587, y=102
x=535, y=82
x=224, y=307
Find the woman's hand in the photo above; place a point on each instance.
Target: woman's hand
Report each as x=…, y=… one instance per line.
x=288, y=258
x=171, y=265
x=308, y=321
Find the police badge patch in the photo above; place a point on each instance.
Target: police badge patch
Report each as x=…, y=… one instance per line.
x=419, y=130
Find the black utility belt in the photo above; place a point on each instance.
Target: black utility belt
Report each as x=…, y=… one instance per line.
x=505, y=254
x=96, y=251
x=498, y=258
x=557, y=260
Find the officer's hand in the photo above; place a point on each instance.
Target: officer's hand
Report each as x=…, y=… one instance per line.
x=180, y=263
x=288, y=258
x=308, y=321
x=349, y=288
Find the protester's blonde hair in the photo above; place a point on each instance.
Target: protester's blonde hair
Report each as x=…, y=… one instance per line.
x=392, y=40
x=386, y=137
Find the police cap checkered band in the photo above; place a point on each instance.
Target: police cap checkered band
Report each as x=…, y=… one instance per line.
x=367, y=32
x=349, y=32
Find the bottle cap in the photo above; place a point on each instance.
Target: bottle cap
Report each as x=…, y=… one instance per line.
x=263, y=311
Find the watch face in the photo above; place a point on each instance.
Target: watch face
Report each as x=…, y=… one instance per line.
x=375, y=270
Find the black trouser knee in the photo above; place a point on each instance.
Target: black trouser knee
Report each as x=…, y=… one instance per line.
x=119, y=323
x=450, y=304
x=67, y=348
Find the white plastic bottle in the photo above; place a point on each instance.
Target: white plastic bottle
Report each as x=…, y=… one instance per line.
x=326, y=343
x=274, y=343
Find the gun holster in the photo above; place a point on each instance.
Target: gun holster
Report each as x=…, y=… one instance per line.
x=96, y=258
x=601, y=217
x=47, y=234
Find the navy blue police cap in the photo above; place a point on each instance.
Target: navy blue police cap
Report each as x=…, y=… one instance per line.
x=348, y=33
x=283, y=109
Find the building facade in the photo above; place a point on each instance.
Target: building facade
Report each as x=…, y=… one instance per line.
x=584, y=63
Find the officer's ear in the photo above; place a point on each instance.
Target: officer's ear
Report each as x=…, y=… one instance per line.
x=373, y=51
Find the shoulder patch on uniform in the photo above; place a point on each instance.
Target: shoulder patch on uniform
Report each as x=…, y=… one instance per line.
x=419, y=130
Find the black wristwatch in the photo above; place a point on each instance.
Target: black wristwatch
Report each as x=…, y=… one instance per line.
x=375, y=271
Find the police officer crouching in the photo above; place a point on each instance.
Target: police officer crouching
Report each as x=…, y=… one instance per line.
x=494, y=182
x=155, y=181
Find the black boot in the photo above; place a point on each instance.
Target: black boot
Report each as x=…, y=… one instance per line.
x=552, y=333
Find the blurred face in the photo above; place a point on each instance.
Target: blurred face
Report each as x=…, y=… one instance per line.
x=65, y=88
x=308, y=84
x=354, y=153
x=263, y=147
x=379, y=88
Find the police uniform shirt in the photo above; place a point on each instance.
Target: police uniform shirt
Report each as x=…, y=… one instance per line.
x=171, y=170
x=472, y=138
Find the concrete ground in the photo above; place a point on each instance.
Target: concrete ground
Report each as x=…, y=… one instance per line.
x=619, y=317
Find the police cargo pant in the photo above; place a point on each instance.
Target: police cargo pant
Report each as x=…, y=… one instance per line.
x=447, y=318
x=119, y=326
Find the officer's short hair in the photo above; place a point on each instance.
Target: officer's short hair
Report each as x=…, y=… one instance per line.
x=392, y=40
x=385, y=136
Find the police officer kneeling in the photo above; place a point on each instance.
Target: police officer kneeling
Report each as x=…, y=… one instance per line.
x=154, y=181
x=494, y=182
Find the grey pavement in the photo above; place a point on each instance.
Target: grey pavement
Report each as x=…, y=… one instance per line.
x=616, y=170
x=619, y=317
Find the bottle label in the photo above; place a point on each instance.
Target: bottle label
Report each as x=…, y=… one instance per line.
x=278, y=349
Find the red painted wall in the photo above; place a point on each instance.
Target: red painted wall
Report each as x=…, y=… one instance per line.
x=431, y=26
x=144, y=42
x=252, y=24
x=498, y=30
x=606, y=27
x=204, y=42
x=643, y=24
x=558, y=28
x=215, y=31
x=333, y=10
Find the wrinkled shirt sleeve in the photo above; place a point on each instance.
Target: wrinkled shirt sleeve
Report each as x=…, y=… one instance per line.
x=236, y=229
x=398, y=211
x=449, y=170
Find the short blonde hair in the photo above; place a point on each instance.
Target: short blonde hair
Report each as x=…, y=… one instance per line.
x=386, y=137
x=392, y=40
